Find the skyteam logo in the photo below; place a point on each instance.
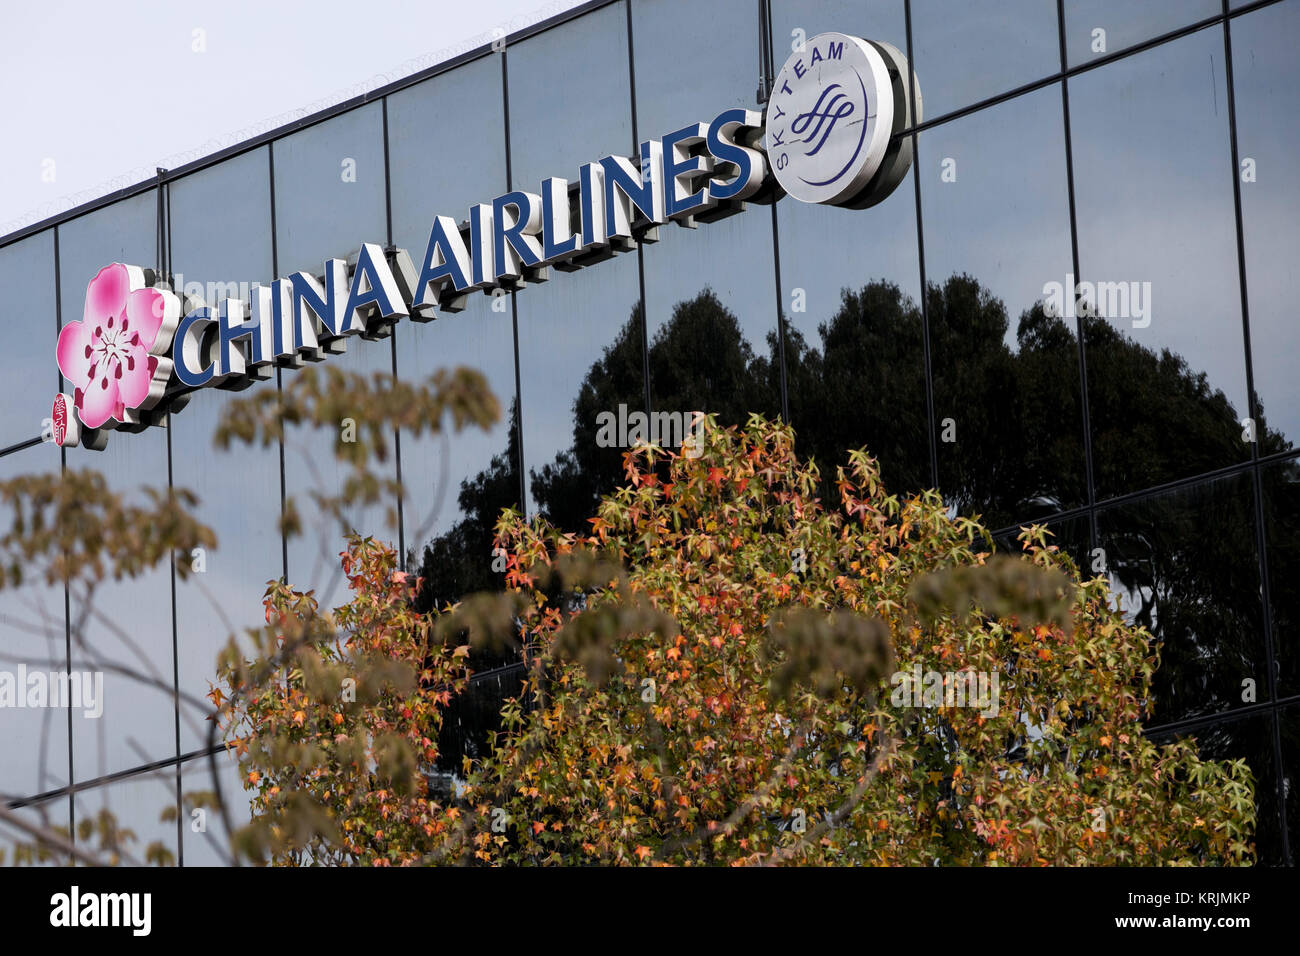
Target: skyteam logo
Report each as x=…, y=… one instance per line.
x=835, y=106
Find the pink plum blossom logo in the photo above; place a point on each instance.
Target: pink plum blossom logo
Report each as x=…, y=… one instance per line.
x=116, y=357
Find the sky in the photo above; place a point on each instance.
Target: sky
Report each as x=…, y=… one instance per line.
x=96, y=97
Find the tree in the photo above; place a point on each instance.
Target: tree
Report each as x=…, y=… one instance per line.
x=74, y=530
x=1019, y=456
x=725, y=670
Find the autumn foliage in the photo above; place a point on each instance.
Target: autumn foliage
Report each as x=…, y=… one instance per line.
x=712, y=676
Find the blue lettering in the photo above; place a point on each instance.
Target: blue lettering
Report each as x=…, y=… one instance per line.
x=513, y=242
x=446, y=260
x=187, y=357
x=681, y=168
x=373, y=290
x=749, y=162
x=558, y=240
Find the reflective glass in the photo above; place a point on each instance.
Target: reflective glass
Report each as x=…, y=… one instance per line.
x=580, y=333
x=203, y=836
x=1281, y=484
x=221, y=237
x=1290, y=726
x=127, y=623
x=1185, y=566
x=967, y=52
x=329, y=199
x=1165, y=359
x=456, y=483
x=693, y=60
x=1250, y=739
x=473, y=717
x=555, y=127
x=995, y=202
x=52, y=813
x=796, y=21
x=329, y=189
x=1097, y=27
x=137, y=804
x=580, y=349
x=33, y=740
x=31, y=615
x=710, y=292
x=850, y=291
x=1266, y=77
x=30, y=327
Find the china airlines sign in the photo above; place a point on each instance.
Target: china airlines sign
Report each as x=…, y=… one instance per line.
x=829, y=135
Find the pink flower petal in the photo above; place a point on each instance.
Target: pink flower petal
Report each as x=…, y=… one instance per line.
x=99, y=398
x=106, y=294
x=133, y=385
x=73, y=352
x=144, y=314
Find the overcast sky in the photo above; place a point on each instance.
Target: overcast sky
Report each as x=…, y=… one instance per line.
x=97, y=95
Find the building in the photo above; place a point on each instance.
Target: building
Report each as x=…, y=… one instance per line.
x=1143, y=150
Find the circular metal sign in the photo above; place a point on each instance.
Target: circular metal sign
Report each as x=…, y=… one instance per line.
x=63, y=423
x=833, y=108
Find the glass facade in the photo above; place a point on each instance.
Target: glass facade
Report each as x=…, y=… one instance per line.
x=1141, y=149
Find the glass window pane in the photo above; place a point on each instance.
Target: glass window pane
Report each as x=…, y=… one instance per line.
x=1281, y=483
x=580, y=333
x=1266, y=77
x=31, y=615
x=52, y=813
x=1185, y=566
x=1290, y=727
x=125, y=623
x=796, y=21
x=221, y=241
x=329, y=189
x=1005, y=366
x=967, y=52
x=710, y=292
x=1165, y=359
x=329, y=198
x=555, y=128
x=1096, y=27
x=33, y=740
x=456, y=484
x=1250, y=739
x=204, y=837
x=850, y=291
x=580, y=348
x=137, y=804
x=721, y=45
x=30, y=328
